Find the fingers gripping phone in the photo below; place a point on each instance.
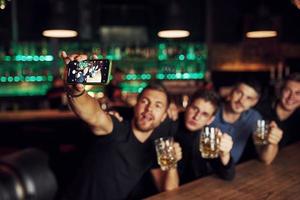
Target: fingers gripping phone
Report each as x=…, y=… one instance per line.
x=89, y=72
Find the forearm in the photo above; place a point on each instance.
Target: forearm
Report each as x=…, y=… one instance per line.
x=89, y=110
x=225, y=158
x=172, y=180
x=268, y=153
x=226, y=172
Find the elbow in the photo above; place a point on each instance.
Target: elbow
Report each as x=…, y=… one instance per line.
x=266, y=161
x=228, y=177
x=170, y=187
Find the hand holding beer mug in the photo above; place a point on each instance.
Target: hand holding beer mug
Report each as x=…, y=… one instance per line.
x=275, y=133
x=261, y=132
x=166, y=156
x=209, y=142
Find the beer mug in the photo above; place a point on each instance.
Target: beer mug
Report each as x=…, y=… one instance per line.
x=209, y=142
x=261, y=132
x=165, y=153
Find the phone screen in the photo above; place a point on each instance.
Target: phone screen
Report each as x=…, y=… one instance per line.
x=89, y=71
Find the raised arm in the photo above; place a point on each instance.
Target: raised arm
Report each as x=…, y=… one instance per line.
x=85, y=106
x=267, y=153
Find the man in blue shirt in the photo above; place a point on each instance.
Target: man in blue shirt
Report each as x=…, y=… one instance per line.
x=238, y=118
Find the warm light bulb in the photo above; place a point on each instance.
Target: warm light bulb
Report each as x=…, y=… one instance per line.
x=261, y=34
x=173, y=33
x=60, y=33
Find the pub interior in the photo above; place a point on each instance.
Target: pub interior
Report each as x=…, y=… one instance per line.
x=216, y=52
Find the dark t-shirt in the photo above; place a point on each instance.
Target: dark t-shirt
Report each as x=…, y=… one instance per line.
x=289, y=126
x=193, y=166
x=115, y=164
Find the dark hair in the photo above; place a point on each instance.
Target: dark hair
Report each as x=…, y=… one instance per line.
x=207, y=95
x=293, y=77
x=252, y=83
x=158, y=87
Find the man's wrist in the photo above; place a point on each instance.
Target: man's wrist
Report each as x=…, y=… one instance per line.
x=72, y=95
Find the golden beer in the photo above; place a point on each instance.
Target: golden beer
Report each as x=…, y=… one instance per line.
x=166, y=162
x=165, y=153
x=209, y=143
x=261, y=133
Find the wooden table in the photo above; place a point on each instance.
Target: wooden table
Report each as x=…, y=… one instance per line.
x=253, y=180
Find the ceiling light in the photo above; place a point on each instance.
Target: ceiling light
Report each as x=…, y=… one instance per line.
x=174, y=25
x=262, y=25
x=173, y=33
x=60, y=25
x=261, y=34
x=60, y=33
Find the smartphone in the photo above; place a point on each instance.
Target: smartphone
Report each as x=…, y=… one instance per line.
x=89, y=72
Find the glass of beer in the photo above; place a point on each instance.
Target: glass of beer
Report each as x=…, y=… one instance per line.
x=165, y=153
x=209, y=142
x=261, y=132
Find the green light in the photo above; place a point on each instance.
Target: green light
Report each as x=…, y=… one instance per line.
x=178, y=75
x=3, y=79
x=140, y=89
x=160, y=76
x=18, y=57
x=42, y=58
x=17, y=78
x=145, y=76
x=29, y=58
x=109, y=57
x=7, y=58
x=10, y=79
x=27, y=78
x=23, y=58
x=162, y=52
x=39, y=78
x=36, y=58
x=181, y=57
x=128, y=77
x=191, y=56
x=32, y=78
x=134, y=76
x=50, y=78
x=49, y=58
x=169, y=76
x=186, y=76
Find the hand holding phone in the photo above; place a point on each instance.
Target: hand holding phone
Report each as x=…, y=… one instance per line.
x=96, y=71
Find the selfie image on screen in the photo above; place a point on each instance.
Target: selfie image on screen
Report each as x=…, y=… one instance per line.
x=88, y=71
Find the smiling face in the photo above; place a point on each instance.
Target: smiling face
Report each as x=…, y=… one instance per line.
x=243, y=98
x=290, y=98
x=199, y=114
x=150, y=110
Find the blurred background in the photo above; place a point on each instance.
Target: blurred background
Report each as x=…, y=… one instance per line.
x=126, y=32
x=219, y=46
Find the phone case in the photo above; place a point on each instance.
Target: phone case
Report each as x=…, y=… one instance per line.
x=89, y=72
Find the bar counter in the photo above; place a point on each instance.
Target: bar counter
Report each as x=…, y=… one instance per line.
x=254, y=180
x=33, y=115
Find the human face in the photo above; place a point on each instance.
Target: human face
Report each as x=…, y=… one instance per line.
x=150, y=110
x=243, y=98
x=199, y=114
x=290, y=99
